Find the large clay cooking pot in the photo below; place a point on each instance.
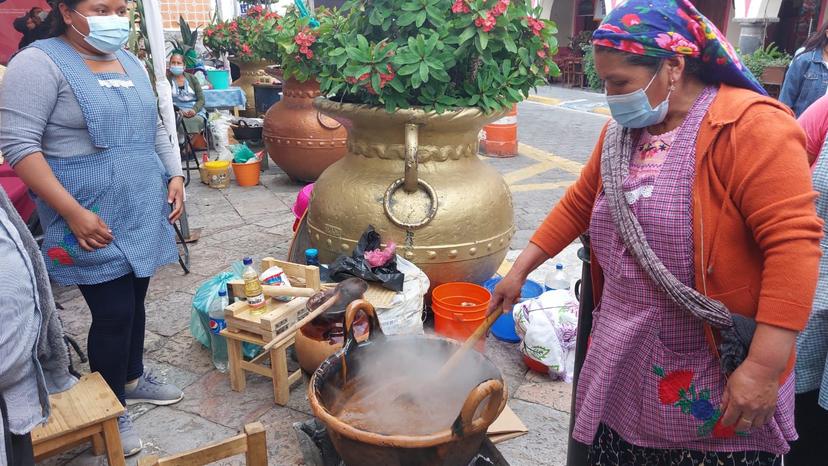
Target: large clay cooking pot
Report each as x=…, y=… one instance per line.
x=482, y=399
x=251, y=72
x=415, y=177
x=300, y=140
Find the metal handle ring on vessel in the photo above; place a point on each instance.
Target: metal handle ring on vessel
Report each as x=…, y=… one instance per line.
x=432, y=194
x=327, y=122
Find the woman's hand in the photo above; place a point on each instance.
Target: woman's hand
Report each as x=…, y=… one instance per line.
x=506, y=293
x=749, y=399
x=90, y=231
x=175, y=196
x=189, y=113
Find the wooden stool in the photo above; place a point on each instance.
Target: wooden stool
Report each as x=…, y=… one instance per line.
x=278, y=370
x=253, y=443
x=247, y=325
x=87, y=412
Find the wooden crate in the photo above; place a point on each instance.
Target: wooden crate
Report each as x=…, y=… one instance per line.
x=279, y=315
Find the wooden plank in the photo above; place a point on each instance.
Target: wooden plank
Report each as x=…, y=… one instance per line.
x=208, y=454
x=235, y=358
x=255, y=368
x=151, y=460
x=98, y=445
x=50, y=447
x=281, y=384
x=295, y=377
x=243, y=336
x=256, y=454
x=89, y=402
x=112, y=440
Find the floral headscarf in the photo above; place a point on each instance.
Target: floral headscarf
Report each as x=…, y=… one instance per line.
x=666, y=28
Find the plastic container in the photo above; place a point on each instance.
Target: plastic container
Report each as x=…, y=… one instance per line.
x=312, y=257
x=219, y=79
x=218, y=345
x=252, y=286
x=247, y=174
x=504, y=327
x=462, y=297
x=535, y=366
x=218, y=171
x=557, y=279
x=457, y=326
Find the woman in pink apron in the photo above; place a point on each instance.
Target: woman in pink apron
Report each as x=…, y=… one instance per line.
x=700, y=211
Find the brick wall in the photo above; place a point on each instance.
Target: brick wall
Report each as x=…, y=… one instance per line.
x=195, y=12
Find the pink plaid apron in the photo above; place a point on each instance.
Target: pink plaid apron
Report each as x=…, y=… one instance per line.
x=649, y=374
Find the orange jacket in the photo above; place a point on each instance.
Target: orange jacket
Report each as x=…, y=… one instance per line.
x=755, y=228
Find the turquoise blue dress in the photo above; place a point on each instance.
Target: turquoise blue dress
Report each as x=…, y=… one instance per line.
x=125, y=182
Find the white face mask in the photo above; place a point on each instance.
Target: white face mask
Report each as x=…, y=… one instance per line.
x=633, y=110
x=106, y=33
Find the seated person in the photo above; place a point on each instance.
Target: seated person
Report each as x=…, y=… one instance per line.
x=186, y=94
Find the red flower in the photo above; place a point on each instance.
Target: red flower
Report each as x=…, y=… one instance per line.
x=245, y=49
x=60, y=256
x=486, y=24
x=304, y=39
x=234, y=27
x=535, y=25
x=460, y=6
x=670, y=386
x=631, y=20
x=209, y=32
x=500, y=7
x=542, y=53
x=306, y=51
x=721, y=431
x=546, y=69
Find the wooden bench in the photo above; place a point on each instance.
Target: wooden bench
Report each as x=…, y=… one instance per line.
x=88, y=412
x=252, y=443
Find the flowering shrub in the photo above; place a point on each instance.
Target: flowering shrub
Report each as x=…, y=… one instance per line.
x=244, y=38
x=299, y=46
x=438, y=54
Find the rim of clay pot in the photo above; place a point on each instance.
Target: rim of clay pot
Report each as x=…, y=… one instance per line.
x=446, y=121
x=478, y=425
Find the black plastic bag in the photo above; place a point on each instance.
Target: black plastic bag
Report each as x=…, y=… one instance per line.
x=356, y=266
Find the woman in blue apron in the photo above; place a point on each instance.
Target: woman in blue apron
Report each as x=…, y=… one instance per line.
x=81, y=128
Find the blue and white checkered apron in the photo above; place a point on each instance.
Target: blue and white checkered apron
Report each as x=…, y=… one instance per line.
x=812, y=344
x=124, y=183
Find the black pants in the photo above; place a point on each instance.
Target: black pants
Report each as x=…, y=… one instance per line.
x=18, y=447
x=811, y=425
x=116, y=338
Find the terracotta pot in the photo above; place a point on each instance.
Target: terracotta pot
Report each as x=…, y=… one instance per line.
x=252, y=72
x=313, y=348
x=300, y=140
x=416, y=177
x=457, y=443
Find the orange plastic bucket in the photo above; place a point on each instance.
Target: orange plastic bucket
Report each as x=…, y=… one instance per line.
x=457, y=326
x=501, y=136
x=462, y=297
x=247, y=174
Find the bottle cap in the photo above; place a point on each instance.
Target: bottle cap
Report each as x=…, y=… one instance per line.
x=559, y=266
x=248, y=261
x=222, y=292
x=311, y=252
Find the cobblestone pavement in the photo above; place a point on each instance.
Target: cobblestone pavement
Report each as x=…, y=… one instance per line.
x=555, y=142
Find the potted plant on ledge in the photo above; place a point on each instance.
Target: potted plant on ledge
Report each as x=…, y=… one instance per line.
x=242, y=39
x=416, y=80
x=300, y=140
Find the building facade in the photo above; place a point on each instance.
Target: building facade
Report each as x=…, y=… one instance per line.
x=786, y=23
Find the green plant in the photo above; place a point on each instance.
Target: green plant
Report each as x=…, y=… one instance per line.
x=765, y=57
x=139, y=38
x=298, y=46
x=186, y=46
x=244, y=38
x=593, y=80
x=438, y=54
x=579, y=41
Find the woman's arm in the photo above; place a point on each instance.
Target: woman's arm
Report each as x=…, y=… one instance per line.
x=792, y=85
x=814, y=121
x=198, y=92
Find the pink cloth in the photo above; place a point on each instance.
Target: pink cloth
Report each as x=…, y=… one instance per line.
x=814, y=121
x=301, y=204
x=649, y=374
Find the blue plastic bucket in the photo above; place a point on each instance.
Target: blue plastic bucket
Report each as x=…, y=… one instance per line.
x=220, y=79
x=504, y=327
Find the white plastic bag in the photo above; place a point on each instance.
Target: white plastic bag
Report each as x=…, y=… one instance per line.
x=404, y=317
x=219, y=126
x=547, y=326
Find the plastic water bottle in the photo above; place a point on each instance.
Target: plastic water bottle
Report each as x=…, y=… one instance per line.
x=252, y=286
x=312, y=257
x=557, y=279
x=218, y=344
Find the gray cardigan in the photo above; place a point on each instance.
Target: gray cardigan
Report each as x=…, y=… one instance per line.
x=34, y=360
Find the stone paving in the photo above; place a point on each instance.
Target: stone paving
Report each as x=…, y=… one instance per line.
x=257, y=221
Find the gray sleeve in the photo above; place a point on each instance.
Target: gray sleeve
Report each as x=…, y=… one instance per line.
x=165, y=151
x=27, y=98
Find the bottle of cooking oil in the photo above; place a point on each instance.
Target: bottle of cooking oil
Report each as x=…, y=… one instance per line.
x=252, y=286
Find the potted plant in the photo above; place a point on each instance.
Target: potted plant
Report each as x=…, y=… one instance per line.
x=243, y=40
x=187, y=44
x=416, y=80
x=768, y=64
x=299, y=139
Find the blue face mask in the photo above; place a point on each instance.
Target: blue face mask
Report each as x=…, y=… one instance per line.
x=633, y=110
x=106, y=33
x=177, y=70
